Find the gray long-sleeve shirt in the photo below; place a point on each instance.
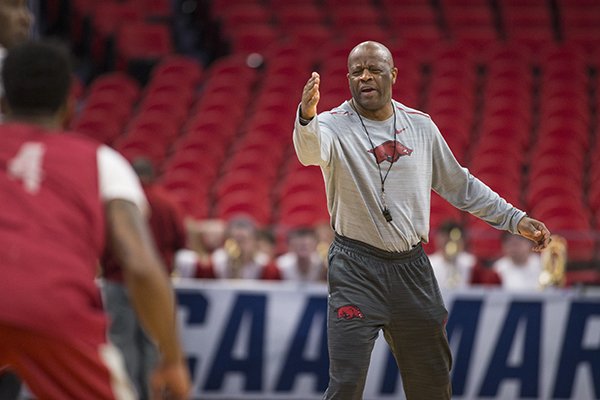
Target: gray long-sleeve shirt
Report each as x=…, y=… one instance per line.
x=336, y=141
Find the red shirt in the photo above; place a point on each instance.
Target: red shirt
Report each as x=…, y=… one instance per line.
x=51, y=232
x=166, y=224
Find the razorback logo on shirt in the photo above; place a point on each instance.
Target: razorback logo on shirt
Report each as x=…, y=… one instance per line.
x=386, y=151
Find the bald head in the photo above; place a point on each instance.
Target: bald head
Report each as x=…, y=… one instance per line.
x=371, y=74
x=374, y=48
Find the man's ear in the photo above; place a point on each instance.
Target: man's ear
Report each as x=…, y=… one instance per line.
x=394, y=74
x=67, y=112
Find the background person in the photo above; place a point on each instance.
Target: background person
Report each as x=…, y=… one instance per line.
x=452, y=265
x=302, y=262
x=240, y=256
x=125, y=330
x=16, y=20
x=62, y=196
x=519, y=268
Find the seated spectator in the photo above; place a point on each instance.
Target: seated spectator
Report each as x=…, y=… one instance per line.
x=302, y=262
x=238, y=258
x=266, y=244
x=520, y=267
x=452, y=265
x=203, y=238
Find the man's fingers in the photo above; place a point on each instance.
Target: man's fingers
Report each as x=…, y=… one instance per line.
x=311, y=89
x=311, y=96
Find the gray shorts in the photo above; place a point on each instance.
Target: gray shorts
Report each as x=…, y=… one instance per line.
x=371, y=289
x=127, y=334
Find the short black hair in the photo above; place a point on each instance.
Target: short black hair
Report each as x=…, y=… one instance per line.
x=37, y=78
x=144, y=168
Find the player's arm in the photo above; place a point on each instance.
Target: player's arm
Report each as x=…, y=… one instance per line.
x=131, y=242
x=464, y=191
x=150, y=290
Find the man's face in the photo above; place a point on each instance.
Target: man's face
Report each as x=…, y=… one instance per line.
x=304, y=245
x=15, y=22
x=246, y=239
x=371, y=75
x=517, y=248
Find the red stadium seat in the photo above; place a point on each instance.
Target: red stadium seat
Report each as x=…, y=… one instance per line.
x=242, y=181
x=142, y=42
x=238, y=16
x=117, y=84
x=183, y=69
x=99, y=126
x=153, y=127
x=107, y=106
x=135, y=147
x=309, y=35
x=253, y=38
x=299, y=15
x=220, y=6
x=107, y=17
x=245, y=203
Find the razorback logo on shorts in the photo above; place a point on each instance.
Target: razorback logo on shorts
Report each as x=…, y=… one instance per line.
x=349, y=312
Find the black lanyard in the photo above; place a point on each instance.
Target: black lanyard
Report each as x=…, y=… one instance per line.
x=386, y=212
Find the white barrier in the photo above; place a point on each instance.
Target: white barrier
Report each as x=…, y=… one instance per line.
x=267, y=340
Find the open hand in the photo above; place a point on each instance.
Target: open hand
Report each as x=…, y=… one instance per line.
x=310, y=97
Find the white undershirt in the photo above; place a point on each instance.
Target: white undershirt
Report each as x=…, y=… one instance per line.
x=118, y=180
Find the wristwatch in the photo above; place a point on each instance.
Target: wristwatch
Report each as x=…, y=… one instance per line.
x=303, y=121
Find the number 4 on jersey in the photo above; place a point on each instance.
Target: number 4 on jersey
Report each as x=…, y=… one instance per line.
x=27, y=166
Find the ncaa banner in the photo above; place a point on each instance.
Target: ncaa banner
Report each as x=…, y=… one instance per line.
x=268, y=340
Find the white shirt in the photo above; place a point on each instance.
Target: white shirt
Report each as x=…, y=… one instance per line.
x=519, y=277
x=186, y=263
x=288, y=266
x=118, y=180
x=223, y=269
x=337, y=142
x=453, y=275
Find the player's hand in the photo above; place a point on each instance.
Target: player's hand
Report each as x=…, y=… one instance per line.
x=536, y=231
x=171, y=382
x=310, y=97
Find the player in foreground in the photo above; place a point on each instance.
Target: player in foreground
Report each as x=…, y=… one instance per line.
x=16, y=20
x=62, y=196
x=380, y=161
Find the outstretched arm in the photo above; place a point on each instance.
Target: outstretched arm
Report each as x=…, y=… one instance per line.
x=151, y=293
x=535, y=231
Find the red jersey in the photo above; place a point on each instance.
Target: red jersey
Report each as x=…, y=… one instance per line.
x=166, y=225
x=51, y=232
